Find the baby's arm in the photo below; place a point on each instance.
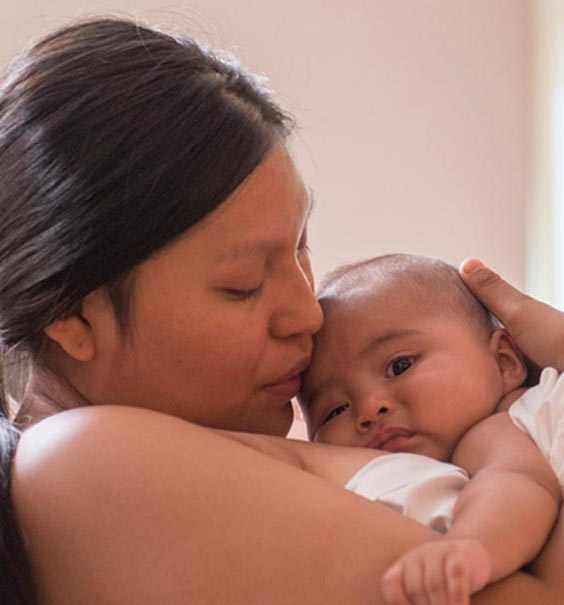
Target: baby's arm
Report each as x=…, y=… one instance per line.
x=501, y=519
x=512, y=501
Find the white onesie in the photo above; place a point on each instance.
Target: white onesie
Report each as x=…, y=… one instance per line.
x=540, y=413
x=417, y=486
x=426, y=490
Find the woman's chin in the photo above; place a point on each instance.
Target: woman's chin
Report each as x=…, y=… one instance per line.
x=277, y=422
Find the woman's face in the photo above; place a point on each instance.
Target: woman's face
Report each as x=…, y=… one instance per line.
x=222, y=320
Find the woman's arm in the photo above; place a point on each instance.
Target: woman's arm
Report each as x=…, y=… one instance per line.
x=548, y=566
x=122, y=505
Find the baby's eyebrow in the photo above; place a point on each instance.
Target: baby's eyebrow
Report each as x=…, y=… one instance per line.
x=386, y=337
x=383, y=338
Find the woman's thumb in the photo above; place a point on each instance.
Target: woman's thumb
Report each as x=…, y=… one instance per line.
x=502, y=299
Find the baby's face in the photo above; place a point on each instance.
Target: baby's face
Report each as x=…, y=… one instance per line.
x=390, y=375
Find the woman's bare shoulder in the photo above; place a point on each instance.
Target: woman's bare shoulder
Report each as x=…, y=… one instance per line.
x=82, y=437
x=98, y=491
x=68, y=450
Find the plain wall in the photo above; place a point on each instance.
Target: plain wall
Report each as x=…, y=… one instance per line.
x=414, y=114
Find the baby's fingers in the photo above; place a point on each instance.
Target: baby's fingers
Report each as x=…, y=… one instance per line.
x=458, y=580
x=414, y=581
x=436, y=587
x=392, y=586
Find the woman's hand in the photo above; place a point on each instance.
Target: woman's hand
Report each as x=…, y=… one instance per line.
x=536, y=328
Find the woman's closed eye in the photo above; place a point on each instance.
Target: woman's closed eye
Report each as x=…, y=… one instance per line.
x=242, y=294
x=335, y=412
x=399, y=366
x=303, y=247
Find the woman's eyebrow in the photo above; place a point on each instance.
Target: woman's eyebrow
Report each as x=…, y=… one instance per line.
x=242, y=249
x=258, y=247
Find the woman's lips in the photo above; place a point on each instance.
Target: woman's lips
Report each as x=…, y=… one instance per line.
x=289, y=384
x=288, y=388
x=393, y=439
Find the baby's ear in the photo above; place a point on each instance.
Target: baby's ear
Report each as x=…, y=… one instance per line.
x=510, y=360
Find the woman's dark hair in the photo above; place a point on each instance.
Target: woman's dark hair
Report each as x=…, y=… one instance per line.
x=16, y=579
x=115, y=138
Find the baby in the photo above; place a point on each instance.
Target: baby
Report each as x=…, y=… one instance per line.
x=409, y=362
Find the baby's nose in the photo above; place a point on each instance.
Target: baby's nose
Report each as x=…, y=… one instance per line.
x=371, y=410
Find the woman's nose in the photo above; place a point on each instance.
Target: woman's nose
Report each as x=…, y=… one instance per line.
x=298, y=311
x=371, y=410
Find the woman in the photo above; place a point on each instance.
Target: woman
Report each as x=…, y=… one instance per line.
x=155, y=256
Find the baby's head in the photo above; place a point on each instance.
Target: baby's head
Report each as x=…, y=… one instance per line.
x=407, y=359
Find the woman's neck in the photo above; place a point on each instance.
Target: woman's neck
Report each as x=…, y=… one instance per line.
x=46, y=394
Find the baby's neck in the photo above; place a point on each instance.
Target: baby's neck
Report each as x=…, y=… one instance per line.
x=509, y=398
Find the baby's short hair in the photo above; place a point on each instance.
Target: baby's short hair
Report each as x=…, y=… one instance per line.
x=435, y=284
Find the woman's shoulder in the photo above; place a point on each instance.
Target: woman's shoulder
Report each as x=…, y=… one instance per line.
x=47, y=444
x=84, y=484
x=102, y=438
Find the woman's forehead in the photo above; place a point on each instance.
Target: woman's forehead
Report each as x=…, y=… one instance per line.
x=272, y=200
x=267, y=212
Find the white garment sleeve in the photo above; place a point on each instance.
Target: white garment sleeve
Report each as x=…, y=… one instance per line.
x=540, y=414
x=417, y=486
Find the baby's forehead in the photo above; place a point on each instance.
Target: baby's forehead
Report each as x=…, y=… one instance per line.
x=390, y=313
x=393, y=298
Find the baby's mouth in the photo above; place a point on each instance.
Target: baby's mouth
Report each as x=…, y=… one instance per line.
x=392, y=439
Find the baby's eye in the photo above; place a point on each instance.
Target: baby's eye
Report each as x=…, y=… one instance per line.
x=335, y=412
x=399, y=366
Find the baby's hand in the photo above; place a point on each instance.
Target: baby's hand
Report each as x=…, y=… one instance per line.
x=445, y=572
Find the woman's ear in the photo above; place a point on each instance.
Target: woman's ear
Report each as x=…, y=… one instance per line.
x=74, y=335
x=510, y=360
x=85, y=331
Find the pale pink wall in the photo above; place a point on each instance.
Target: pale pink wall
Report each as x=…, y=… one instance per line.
x=414, y=113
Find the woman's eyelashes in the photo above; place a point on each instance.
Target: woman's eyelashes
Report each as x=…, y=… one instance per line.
x=399, y=366
x=303, y=250
x=303, y=245
x=242, y=294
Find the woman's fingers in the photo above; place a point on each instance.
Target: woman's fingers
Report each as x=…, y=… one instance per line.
x=502, y=299
x=537, y=328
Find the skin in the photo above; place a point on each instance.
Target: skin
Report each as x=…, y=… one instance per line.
x=388, y=372
x=537, y=328
x=121, y=504
x=237, y=288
